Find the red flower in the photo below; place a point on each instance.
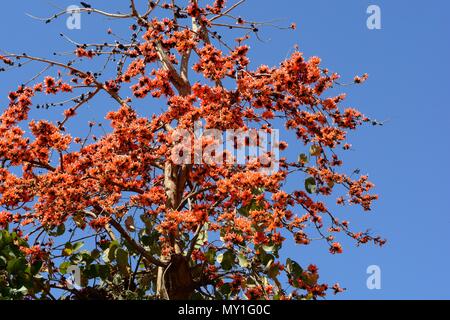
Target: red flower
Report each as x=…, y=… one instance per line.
x=336, y=248
x=337, y=288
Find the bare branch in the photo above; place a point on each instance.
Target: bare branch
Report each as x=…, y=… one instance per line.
x=228, y=10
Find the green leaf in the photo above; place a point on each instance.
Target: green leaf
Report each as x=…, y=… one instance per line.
x=36, y=267
x=103, y=271
x=79, y=221
x=244, y=211
x=104, y=245
x=16, y=265
x=70, y=248
x=110, y=253
x=225, y=289
x=105, y=256
x=86, y=256
x=67, y=251
x=266, y=258
x=59, y=231
x=258, y=191
x=3, y=262
x=293, y=268
x=210, y=255
x=91, y=271
x=269, y=249
x=95, y=254
x=122, y=261
x=310, y=185
x=303, y=158
x=226, y=260
x=121, y=256
x=196, y=296
x=315, y=150
x=146, y=240
x=202, y=237
x=22, y=291
x=243, y=262
x=64, y=266
x=77, y=246
x=273, y=249
x=310, y=280
x=76, y=258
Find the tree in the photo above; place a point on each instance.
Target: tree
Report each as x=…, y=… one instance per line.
x=18, y=277
x=152, y=227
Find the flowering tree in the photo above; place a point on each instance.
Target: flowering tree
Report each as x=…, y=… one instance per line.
x=116, y=205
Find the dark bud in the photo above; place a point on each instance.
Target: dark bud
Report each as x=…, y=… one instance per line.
x=86, y=5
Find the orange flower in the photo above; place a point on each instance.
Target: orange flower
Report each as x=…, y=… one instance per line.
x=336, y=248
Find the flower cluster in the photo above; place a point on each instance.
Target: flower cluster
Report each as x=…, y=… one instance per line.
x=112, y=176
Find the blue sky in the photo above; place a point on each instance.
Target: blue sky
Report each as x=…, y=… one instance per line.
x=407, y=158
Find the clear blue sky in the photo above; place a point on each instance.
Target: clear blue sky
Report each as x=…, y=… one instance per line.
x=408, y=63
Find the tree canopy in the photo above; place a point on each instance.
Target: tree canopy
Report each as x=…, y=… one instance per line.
x=116, y=204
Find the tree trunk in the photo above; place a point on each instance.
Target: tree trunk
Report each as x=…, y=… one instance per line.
x=175, y=281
